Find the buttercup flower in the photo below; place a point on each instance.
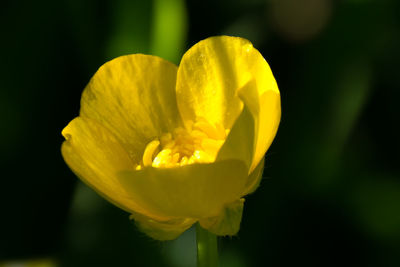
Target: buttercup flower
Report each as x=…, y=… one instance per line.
x=177, y=145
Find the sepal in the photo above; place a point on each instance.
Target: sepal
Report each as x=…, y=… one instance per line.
x=227, y=222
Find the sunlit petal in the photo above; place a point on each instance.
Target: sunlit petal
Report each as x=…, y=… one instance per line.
x=212, y=71
x=134, y=97
x=268, y=122
x=96, y=156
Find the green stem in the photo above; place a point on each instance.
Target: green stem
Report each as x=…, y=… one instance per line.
x=207, y=249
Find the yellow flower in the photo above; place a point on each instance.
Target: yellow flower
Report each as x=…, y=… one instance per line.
x=177, y=145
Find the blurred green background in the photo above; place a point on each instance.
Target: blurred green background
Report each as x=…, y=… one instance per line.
x=331, y=189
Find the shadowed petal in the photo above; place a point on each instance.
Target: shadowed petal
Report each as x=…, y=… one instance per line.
x=192, y=191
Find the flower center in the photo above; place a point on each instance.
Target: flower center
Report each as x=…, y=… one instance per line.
x=198, y=143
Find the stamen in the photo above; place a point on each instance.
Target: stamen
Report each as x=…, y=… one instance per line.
x=149, y=152
x=184, y=161
x=162, y=158
x=199, y=142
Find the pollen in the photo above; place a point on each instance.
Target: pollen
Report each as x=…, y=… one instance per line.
x=198, y=142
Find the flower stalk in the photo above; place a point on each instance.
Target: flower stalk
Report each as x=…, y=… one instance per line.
x=207, y=248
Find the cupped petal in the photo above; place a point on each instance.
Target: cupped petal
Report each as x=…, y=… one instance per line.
x=95, y=156
x=227, y=222
x=267, y=123
x=240, y=143
x=134, y=97
x=162, y=230
x=211, y=72
x=192, y=191
x=254, y=130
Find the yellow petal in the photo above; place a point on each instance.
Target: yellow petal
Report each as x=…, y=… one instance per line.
x=210, y=74
x=256, y=127
x=134, y=98
x=254, y=179
x=240, y=143
x=267, y=124
x=192, y=191
x=227, y=222
x=162, y=230
x=96, y=156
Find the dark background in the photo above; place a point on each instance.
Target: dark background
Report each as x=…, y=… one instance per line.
x=331, y=189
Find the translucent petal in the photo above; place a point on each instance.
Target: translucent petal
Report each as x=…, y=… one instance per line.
x=192, y=191
x=134, y=97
